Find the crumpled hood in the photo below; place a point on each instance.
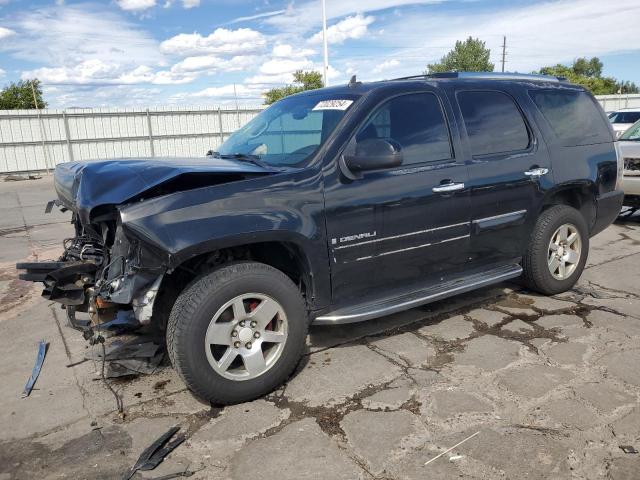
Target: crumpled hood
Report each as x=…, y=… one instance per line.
x=82, y=186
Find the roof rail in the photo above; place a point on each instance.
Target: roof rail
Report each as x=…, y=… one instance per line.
x=485, y=76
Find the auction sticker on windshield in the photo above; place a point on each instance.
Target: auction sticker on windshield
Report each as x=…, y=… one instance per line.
x=341, y=104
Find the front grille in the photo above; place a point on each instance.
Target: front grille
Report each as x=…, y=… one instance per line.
x=632, y=166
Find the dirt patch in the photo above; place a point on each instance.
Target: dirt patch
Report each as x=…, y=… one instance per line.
x=99, y=454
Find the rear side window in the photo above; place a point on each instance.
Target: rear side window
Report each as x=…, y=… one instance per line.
x=493, y=121
x=573, y=116
x=414, y=121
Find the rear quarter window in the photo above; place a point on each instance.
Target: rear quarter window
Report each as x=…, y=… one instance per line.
x=573, y=116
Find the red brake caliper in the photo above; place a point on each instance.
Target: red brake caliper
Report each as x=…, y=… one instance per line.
x=252, y=306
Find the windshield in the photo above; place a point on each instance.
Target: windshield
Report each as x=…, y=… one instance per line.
x=624, y=117
x=632, y=133
x=290, y=131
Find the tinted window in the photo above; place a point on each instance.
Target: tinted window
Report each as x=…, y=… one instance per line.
x=494, y=123
x=624, y=117
x=573, y=115
x=416, y=122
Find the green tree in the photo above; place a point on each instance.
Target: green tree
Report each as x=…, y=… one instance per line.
x=19, y=95
x=301, y=81
x=625, y=86
x=588, y=73
x=469, y=56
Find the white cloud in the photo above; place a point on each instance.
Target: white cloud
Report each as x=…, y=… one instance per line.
x=97, y=72
x=106, y=96
x=283, y=50
x=6, y=32
x=213, y=63
x=278, y=69
x=2, y=73
x=386, y=65
x=302, y=17
x=68, y=35
x=349, y=28
x=278, y=66
x=136, y=5
x=221, y=41
x=194, y=64
x=566, y=25
x=226, y=91
x=190, y=3
x=257, y=16
x=230, y=94
x=268, y=81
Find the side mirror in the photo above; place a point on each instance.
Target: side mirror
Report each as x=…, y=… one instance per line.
x=374, y=154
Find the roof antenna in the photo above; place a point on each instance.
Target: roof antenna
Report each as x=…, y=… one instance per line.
x=353, y=82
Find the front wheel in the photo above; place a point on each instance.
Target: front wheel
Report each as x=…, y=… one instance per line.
x=557, y=251
x=237, y=333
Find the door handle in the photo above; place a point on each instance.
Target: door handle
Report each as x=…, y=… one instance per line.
x=536, y=172
x=448, y=187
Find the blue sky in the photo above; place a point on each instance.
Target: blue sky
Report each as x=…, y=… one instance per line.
x=194, y=52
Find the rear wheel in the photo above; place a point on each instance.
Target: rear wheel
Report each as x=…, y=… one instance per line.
x=237, y=333
x=557, y=251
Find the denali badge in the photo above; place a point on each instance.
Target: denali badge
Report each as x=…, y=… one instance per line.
x=357, y=236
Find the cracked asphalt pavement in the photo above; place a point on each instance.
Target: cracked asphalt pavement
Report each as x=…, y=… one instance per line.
x=551, y=384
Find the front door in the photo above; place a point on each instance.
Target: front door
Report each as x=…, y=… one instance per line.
x=400, y=228
x=509, y=170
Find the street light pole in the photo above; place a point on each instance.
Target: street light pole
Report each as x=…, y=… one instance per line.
x=324, y=42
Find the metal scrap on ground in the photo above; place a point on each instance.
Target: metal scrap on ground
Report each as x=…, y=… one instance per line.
x=139, y=356
x=449, y=449
x=42, y=352
x=628, y=449
x=153, y=455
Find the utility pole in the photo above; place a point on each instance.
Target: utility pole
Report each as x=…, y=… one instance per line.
x=324, y=44
x=43, y=135
x=504, y=50
x=235, y=95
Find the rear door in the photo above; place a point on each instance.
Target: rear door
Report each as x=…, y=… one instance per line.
x=509, y=171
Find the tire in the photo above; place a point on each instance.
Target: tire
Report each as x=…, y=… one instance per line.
x=536, y=263
x=207, y=369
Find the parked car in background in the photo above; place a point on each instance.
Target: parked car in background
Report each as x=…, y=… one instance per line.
x=630, y=153
x=338, y=205
x=623, y=119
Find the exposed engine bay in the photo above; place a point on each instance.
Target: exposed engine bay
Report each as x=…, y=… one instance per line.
x=100, y=272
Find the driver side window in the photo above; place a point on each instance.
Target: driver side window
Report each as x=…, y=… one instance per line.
x=416, y=123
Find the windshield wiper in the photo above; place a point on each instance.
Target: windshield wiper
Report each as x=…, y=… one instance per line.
x=243, y=157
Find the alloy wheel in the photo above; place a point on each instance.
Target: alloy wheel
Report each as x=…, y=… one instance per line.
x=565, y=248
x=246, y=336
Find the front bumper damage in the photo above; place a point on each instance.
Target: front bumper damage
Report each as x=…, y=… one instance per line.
x=102, y=273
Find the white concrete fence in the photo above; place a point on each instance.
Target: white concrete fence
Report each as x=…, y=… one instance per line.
x=32, y=140
x=611, y=103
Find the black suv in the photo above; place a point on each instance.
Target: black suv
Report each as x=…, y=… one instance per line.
x=337, y=205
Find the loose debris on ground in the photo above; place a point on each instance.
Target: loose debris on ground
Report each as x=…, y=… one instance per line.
x=42, y=352
x=155, y=453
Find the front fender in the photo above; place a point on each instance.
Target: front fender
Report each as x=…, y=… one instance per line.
x=287, y=207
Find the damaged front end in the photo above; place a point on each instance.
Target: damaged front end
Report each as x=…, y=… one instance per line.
x=102, y=272
x=114, y=265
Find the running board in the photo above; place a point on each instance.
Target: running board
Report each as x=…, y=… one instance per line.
x=406, y=301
